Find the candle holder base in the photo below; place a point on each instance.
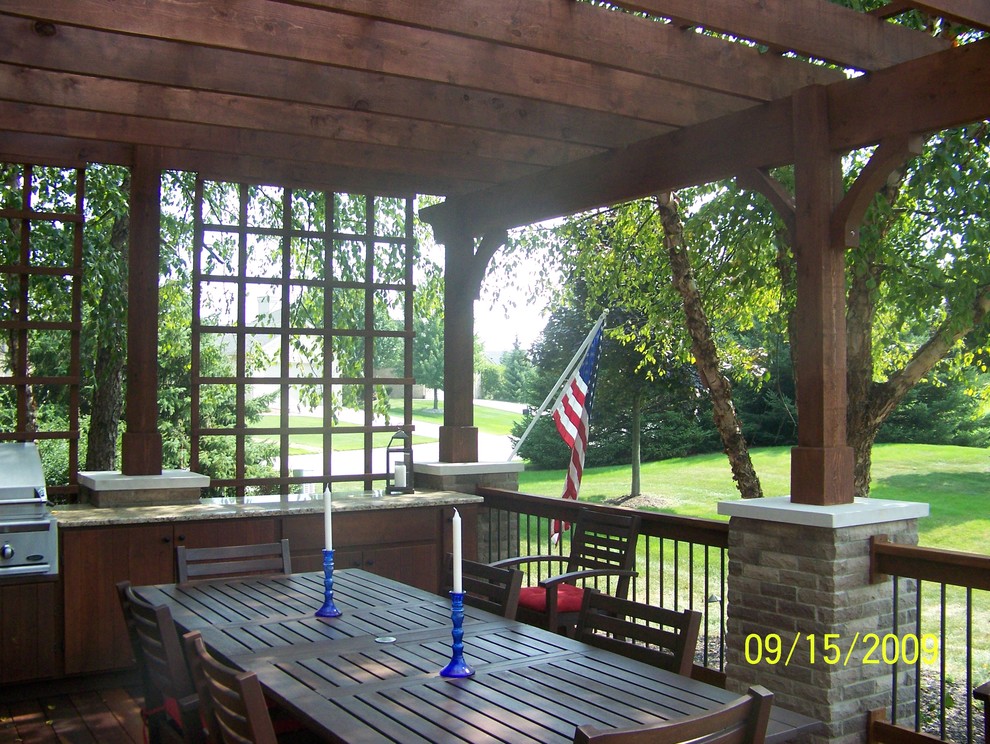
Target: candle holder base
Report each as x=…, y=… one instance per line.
x=457, y=667
x=329, y=609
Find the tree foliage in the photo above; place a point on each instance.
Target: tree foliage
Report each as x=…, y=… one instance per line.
x=918, y=283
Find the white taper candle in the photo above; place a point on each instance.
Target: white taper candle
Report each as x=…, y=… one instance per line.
x=327, y=521
x=458, y=581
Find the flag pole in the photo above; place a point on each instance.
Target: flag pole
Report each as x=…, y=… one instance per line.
x=555, y=390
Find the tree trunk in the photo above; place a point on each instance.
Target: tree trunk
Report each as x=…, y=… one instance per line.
x=16, y=354
x=635, y=488
x=886, y=396
x=108, y=371
x=705, y=353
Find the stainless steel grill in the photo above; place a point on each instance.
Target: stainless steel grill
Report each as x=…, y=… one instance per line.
x=28, y=529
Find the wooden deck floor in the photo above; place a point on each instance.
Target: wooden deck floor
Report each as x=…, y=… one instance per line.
x=105, y=715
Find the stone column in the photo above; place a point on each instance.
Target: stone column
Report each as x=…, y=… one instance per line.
x=798, y=572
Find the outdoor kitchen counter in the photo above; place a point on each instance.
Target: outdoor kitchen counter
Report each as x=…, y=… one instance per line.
x=402, y=537
x=86, y=515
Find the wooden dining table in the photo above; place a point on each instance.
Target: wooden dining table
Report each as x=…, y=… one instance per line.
x=372, y=674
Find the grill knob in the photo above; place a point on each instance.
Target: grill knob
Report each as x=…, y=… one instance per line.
x=6, y=552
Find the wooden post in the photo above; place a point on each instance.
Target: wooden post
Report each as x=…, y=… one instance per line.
x=458, y=435
x=142, y=443
x=822, y=462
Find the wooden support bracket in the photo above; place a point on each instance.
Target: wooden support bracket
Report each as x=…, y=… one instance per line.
x=891, y=154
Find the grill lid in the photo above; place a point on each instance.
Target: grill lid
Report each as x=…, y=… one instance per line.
x=22, y=481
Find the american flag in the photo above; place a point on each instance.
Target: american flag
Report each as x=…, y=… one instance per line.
x=571, y=416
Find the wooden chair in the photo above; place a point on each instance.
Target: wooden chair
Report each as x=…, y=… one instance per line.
x=232, y=560
x=879, y=731
x=654, y=635
x=490, y=588
x=982, y=693
x=743, y=721
x=171, y=703
x=601, y=545
x=234, y=706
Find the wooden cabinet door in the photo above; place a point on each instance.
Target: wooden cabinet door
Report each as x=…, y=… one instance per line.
x=411, y=564
x=222, y=532
x=30, y=630
x=93, y=561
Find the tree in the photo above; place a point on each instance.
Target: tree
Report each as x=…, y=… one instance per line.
x=517, y=371
x=918, y=286
x=428, y=326
x=641, y=412
x=105, y=248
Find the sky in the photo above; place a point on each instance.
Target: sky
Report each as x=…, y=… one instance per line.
x=499, y=326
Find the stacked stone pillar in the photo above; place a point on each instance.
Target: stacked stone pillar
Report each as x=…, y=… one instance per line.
x=799, y=573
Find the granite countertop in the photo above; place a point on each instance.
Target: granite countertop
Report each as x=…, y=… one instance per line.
x=86, y=515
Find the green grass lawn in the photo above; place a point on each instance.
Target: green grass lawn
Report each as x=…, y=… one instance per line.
x=955, y=481
x=488, y=420
x=304, y=444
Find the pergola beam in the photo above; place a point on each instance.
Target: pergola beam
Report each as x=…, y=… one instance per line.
x=948, y=89
x=137, y=130
x=124, y=57
x=347, y=41
x=972, y=13
x=87, y=93
x=575, y=30
x=855, y=40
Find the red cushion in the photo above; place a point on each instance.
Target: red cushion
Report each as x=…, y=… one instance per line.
x=569, y=598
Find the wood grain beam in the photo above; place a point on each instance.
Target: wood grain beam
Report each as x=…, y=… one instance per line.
x=621, y=40
x=972, y=13
x=21, y=147
x=341, y=40
x=291, y=148
x=760, y=137
x=103, y=54
x=813, y=28
x=945, y=90
x=219, y=109
x=66, y=152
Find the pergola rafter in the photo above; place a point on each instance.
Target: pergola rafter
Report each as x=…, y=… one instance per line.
x=516, y=112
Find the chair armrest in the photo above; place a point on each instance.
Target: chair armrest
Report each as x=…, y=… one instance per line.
x=983, y=693
x=189, y=703
x=512, y=562
x=584, y=574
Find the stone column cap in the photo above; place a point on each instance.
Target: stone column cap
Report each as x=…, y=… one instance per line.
x=468, y=468
x=860, y=512
x=113, y=480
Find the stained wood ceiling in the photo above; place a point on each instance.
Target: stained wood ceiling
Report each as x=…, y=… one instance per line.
x=451, y=97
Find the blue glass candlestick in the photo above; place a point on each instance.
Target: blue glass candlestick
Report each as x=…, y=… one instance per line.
x=329, y=609
x=457, y=666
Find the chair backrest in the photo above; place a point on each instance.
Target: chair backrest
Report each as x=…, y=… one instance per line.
x=743, y=721
x=169, y=694
x=233, y=703
x=152, y=696
x=232, y=560
x=654, y=635
x=489, y=588
x=879, y=731
x=158, y=641
x=605, y=541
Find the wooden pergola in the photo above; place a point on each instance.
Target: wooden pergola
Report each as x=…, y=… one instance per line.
x=515, y=112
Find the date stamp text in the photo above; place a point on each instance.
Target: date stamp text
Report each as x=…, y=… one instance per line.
x=833, y=649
